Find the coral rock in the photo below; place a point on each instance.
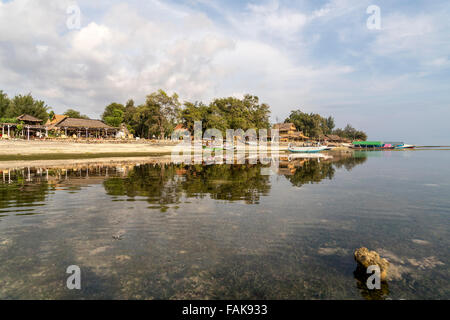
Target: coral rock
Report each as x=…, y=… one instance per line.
x=366, y=258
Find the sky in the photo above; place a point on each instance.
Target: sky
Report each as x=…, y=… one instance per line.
x=389, y=77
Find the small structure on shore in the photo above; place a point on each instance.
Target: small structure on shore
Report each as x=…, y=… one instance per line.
x=29, y=120
x=180, y=131
x=124, y=133
x=25, y=125
x=288, y=132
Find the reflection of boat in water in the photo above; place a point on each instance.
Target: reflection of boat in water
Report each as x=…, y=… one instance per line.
x=309, y=149
x=217, y=147
x=309, y=156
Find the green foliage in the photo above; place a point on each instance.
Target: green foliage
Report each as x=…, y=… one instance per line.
x=4, y=104
x=161, y=113
x=26, y=104
x=313, y=125
x=113, y=114
x=227, y=113
x=9, y=120
x=20, y=126
x=350, y=133
x=71, y=113
x=156, y=117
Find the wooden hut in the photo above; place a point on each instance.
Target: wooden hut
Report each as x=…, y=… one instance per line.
x=288, y=132
x=29, y=120
x=83, y=127
x=31, y=127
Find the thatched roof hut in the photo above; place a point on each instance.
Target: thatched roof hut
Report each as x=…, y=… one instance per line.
x=75, y=123
x=285, y=127
x=27, y=119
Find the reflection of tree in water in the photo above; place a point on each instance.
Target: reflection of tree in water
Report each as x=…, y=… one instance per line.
x=312, y=171
x=20, y=193
x=227, y=182
x=155, y=182
x=349, y=162
x=315, y=170
x=165, y=184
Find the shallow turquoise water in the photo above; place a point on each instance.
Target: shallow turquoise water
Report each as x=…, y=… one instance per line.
x=228, y=231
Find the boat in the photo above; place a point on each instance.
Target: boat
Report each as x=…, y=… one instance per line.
x=405, y=146
x=380, y=145
x=306, y=149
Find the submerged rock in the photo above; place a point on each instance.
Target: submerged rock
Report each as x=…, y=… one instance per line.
x=365, y=258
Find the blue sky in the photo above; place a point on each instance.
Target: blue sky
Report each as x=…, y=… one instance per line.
x=318, y=56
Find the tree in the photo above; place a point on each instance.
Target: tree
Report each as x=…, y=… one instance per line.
x=128, y=115
x=113, y=114
x=350, y=133
x=71, y=113
x=258, y=113
x=4, y=104
x=193, y=112
x=21, y=104
x=312, y=124
x=164, y=112
x=330, y=124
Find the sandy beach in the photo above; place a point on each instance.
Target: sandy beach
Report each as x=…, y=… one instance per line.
x=23, y=147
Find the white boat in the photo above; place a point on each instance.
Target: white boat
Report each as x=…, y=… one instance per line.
x=405, y=146
x=306, y=149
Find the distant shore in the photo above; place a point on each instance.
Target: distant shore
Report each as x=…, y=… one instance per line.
x=15, y=153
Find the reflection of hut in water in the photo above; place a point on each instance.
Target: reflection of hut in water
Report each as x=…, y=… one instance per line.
x=287, y=167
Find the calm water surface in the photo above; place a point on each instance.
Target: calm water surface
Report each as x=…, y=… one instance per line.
x=166, y=231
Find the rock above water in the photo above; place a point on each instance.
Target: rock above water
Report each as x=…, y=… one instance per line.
x=365, y=258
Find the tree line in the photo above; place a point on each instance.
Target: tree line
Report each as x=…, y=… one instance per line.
x=161, y=113
x=11, y=108
x=315, y=126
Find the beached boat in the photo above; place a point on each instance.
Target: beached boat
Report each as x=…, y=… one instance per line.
x=306, y=149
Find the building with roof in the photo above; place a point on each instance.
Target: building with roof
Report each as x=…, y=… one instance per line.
x=29, y=120
x=26, y=125
x=80, y=127
x=288, y=132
